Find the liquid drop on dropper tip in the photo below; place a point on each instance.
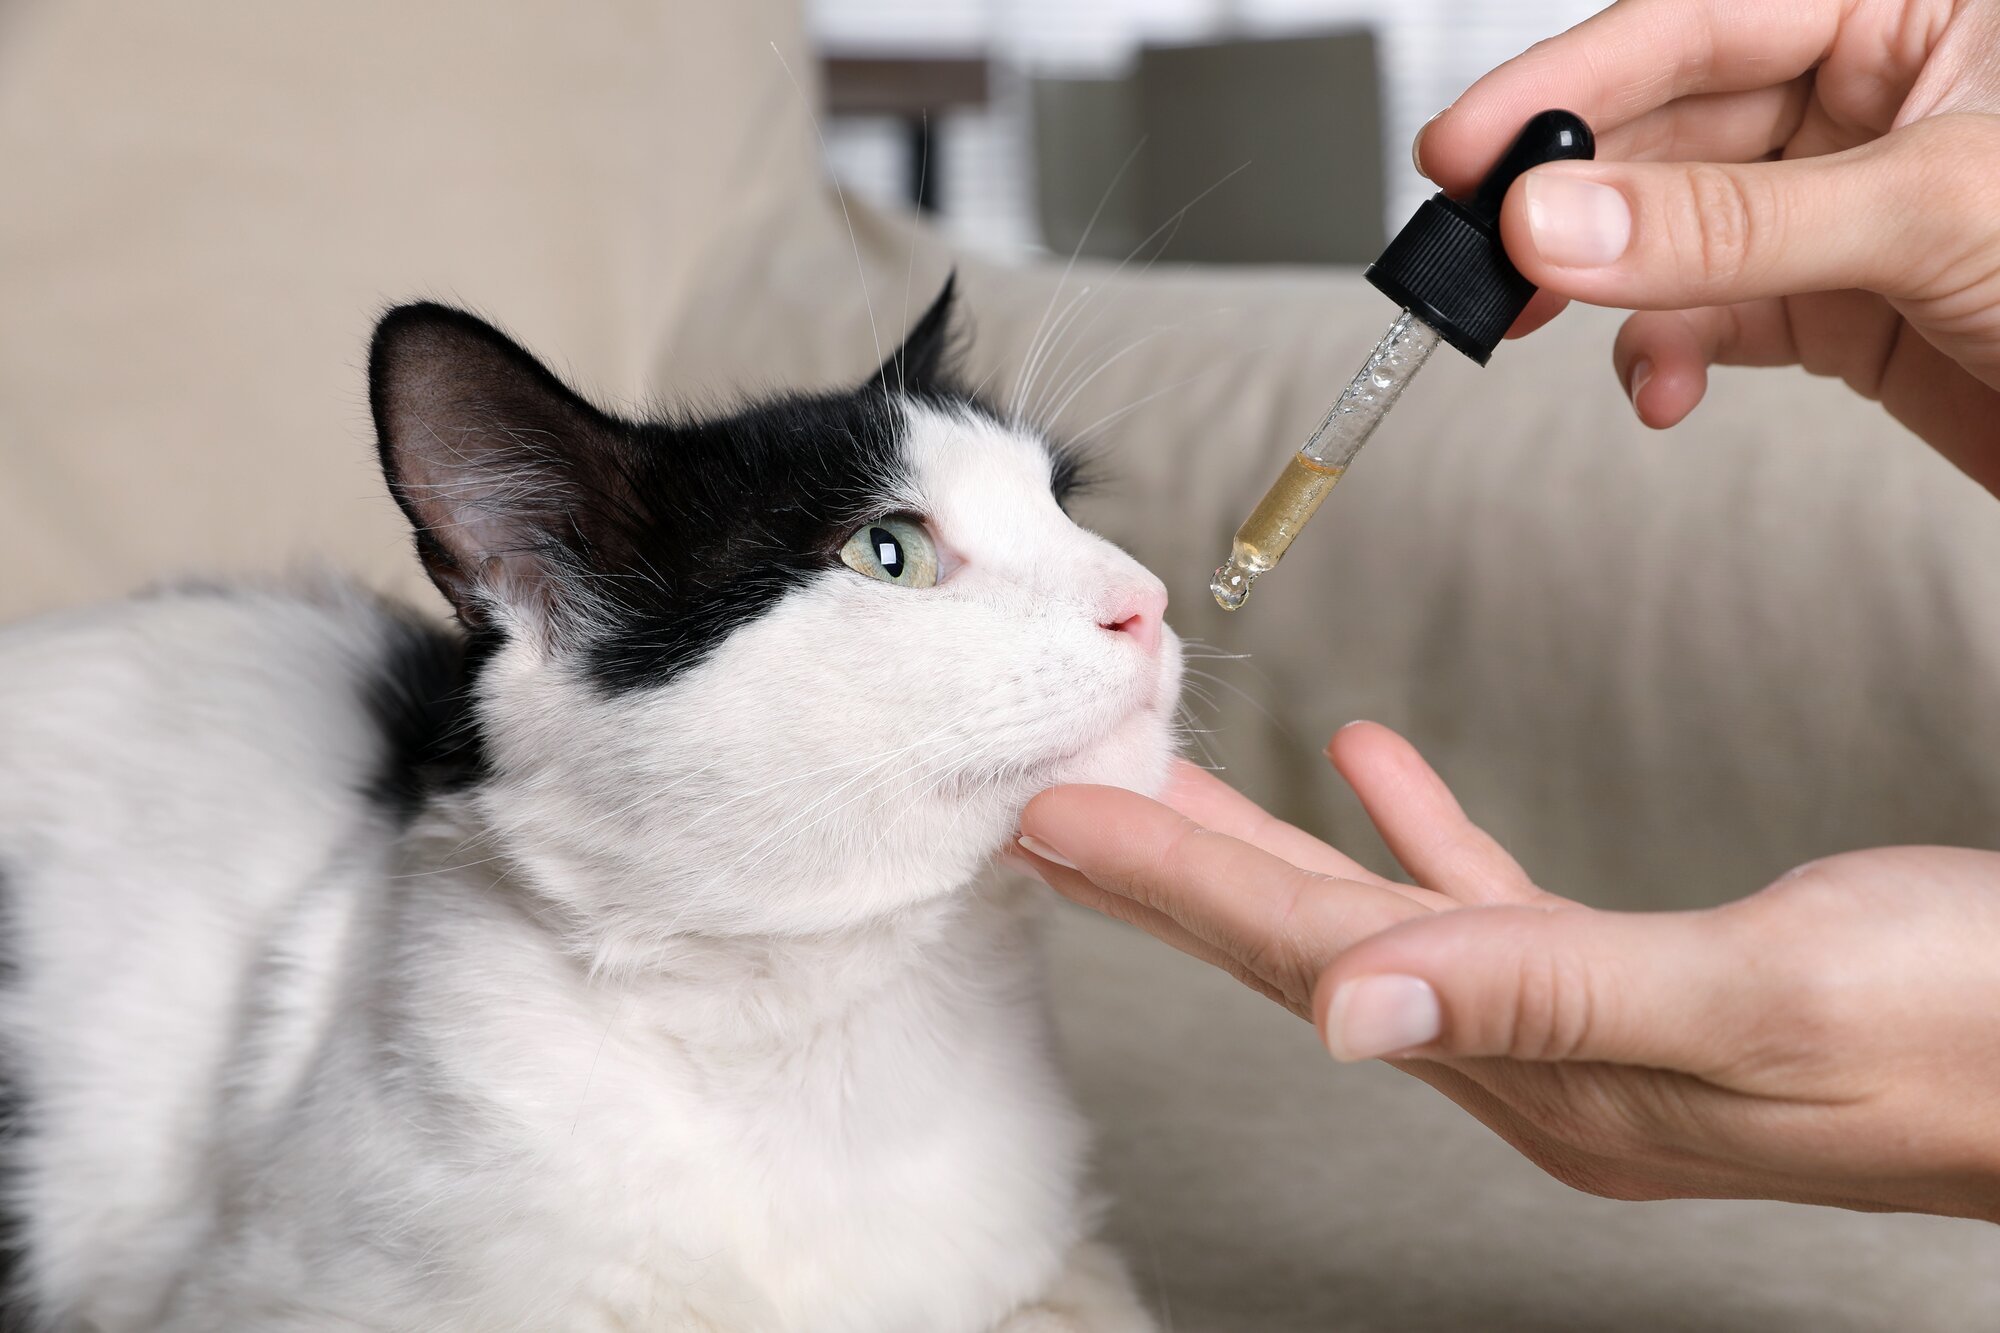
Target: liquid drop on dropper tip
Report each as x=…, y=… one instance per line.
x=1232, y=585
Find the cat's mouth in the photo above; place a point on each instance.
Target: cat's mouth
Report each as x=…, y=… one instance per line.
x=1149, y=712
x=1095, y=752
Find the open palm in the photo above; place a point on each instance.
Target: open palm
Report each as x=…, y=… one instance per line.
x=1826, y=1040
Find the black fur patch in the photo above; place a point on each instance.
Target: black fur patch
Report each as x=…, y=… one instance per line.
x=420, y=696
x=1071, y=473
x=649, y=542
x=735, y=513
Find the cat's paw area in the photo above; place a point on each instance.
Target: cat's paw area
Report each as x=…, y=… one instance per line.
x=1093, y=1295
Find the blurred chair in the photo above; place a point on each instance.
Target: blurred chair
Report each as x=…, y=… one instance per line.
x=917, y=91
x=1262, y=151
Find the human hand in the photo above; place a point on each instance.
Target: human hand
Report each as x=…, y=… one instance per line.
x=1814, y=183
x=1832, y=1039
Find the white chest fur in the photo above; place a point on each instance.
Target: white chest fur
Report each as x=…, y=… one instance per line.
x=863, y=1133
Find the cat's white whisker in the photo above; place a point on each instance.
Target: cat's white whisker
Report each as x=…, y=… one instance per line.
x=1197, y=650
x=1240, y=692
x=789, y=779
x=910, y=263
x=860, y=269
x=1049, y=420
x=1170, y=226
x=1111, y=418
x=792, y=827
x=1048, y=346
x=1034, y=343
x=906, y=803
x=1198, y=737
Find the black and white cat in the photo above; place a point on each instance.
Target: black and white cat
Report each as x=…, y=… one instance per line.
x=614, y=961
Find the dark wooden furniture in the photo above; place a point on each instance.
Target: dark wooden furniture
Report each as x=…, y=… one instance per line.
x=915, y=89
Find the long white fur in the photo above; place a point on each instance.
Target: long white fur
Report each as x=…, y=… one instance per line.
x=696, y=1017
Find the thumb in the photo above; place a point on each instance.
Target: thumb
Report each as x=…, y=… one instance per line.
x=1894, y=216
x=1527, y=983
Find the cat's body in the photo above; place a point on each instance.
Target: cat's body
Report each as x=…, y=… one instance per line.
x=362, y=974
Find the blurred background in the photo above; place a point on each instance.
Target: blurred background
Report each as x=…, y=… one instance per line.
x=1290, y=120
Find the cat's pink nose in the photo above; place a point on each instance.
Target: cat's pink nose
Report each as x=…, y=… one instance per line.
x=1138, y=611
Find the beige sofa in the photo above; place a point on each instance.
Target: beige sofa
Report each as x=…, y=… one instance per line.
x=1661, y=667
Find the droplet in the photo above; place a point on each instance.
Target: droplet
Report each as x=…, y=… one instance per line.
x=1232, y=585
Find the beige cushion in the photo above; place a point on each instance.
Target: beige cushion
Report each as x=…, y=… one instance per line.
x=208, y=205
x=1661, y=667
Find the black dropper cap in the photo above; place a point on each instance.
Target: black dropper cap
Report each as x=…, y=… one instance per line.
x=1447, y=263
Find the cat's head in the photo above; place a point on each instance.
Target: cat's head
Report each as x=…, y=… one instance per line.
x=780, y=670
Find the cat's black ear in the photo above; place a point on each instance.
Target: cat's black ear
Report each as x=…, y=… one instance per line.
x=507, y=476
x=924, y=361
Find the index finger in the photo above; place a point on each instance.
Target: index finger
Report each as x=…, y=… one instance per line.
x=1278, y=922
x=1617, y=65
x=1214, y=804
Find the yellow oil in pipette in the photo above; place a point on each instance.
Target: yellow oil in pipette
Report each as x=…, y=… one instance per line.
x=1261, y=541
x=1312, y=472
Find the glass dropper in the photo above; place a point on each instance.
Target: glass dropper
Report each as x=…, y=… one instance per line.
x=1450, y=273
x=1309, y=478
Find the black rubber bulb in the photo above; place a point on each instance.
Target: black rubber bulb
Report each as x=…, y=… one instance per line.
x=1552, y=136
x=1447, y=264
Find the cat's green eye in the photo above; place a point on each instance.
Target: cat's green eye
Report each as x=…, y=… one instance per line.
x=894, y=550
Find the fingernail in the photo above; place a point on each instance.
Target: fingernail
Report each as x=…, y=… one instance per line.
x=1039, y=848
x=1576, y=223
x=1345, y=726
x=1381, y=1015
x=1417, y=144
x=1642, y=370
